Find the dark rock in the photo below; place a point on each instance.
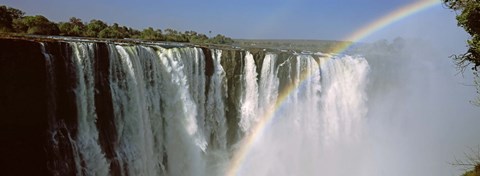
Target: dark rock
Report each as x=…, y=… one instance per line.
x=23, y=108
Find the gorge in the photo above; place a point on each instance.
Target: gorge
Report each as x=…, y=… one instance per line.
x=86, y=107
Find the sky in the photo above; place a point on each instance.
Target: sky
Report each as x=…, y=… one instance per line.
x=254, y=19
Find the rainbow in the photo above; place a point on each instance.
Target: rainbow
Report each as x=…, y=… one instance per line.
x=241, y=153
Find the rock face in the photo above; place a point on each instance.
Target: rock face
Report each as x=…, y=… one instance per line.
x=23, y=112
x=70, y=107
x=39, y=104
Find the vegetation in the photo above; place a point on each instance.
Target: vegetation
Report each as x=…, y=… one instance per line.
x=471, y=162
x=14, y=21
x=469, y=19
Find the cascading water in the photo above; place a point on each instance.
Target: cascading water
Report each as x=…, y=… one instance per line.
x=299, y=141
x=71, y=107
x=249, y=100
x=86, y=142
x=168, y=110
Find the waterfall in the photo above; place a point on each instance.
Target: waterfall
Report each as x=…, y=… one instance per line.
x=268, y=88
x=216, y=125
x=153, y=110
x=344, y=98
x=184, y=143
x=249, y=99
x=86, y=141
x=135, y=96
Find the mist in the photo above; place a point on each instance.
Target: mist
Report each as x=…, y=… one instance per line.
x=420, y=117
x=416, y=117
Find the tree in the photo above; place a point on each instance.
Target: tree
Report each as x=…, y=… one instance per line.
x=175, y=36
x=471, y=163
x=13, y=20
x=469, y=19
x=220, y=39
x=5, y=20
x=111, y=32
x=199, y=38
x=151, y=34
x=37, y=25
x=133, y=33
x=15, y=13
x=77, y=27
x=76, y=22
x=74, y=27
x=94, y=27
x=7, y=16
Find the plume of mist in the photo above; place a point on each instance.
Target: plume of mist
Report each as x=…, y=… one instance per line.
x=420, y=117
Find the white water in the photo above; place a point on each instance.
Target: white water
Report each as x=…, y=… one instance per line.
x=170, y=117
x=170, y=122
x=269, y=82
x=215, y=125
x=134, y=115
x=87, y=139
x=184, y=143
x=309, y=116
x=249, y=101
x=158, y=109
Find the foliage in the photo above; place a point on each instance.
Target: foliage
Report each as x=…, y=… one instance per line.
x=37, y=25
x=471, y=162
x=469, y=19
x=114, y=31
x=13, y=20
x=475, y=172
x=74, y=27
x=7, y=15
x=220, y=39
x=151, y=34
x=94, y=27
x=175, y=36
x=195, y=37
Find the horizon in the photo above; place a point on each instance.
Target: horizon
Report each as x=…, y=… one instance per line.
x=287, y=20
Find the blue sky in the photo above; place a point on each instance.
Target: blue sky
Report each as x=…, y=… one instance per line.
x=254, y=19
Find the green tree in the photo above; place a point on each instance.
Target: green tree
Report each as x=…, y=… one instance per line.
x=151, y=34
x=15, y=13
x=111, y=32
x=65, y=28
x=199, y=38
x=74, y=27
x=172, y=35
x=469, y=19
x=220, y=39
x=5, y=20
x=7, y=16
x=94, y=27
x=77, y=22
x=37, y=25
x=77, y=27
x=13, y=20
x=133, y=33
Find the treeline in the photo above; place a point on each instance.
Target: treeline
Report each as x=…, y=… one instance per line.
x=14, y=21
